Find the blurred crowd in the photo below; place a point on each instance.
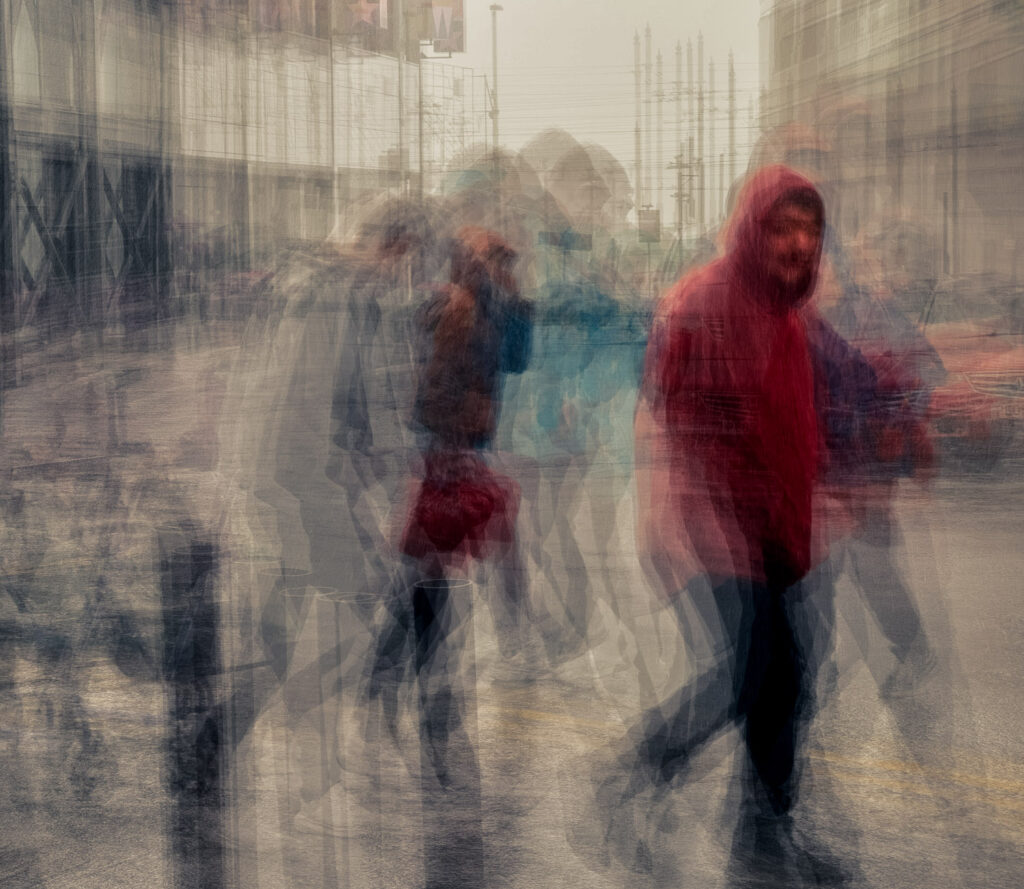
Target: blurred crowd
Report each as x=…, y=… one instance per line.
x=442, y=397
x=485, y=396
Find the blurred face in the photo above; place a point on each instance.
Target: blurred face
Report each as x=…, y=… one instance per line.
x=487, y=264
x=582, y=192
x=619, y=205
x=792, y=244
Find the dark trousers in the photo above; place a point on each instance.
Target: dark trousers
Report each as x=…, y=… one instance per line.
x=429, y=627
x=767, y=640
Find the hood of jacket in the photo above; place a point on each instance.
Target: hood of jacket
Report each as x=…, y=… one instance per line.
x=747, y=243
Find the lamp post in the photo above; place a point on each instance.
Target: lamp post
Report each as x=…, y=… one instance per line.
x=495, y=9
x=8, y=230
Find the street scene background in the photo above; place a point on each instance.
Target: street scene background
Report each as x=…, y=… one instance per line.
x=196, y=573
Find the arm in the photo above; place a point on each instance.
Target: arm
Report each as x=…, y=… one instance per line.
x=517, y=335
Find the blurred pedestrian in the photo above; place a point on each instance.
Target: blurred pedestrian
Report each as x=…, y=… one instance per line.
x=880, y=440
x=878, y=396
x=472, y=332
x=729, y=455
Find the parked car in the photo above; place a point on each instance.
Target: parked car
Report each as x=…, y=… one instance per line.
x=978, y=412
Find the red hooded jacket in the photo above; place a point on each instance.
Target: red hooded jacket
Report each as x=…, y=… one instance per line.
x=728, y=442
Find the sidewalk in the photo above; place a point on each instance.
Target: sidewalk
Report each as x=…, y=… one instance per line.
x=100, y=448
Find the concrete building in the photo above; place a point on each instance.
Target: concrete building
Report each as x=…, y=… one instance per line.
x=141, y=139
x=922, y=103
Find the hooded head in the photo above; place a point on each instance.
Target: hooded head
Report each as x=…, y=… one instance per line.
x=483, y=262
x=774, y=236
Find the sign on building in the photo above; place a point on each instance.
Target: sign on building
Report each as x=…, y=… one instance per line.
x=373, y=24
x=448, y=26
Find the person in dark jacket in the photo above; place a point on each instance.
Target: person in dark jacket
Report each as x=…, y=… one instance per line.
x=472, y=332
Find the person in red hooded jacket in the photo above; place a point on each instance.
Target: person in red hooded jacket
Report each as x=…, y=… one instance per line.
x=730, y=450
x=727, y=415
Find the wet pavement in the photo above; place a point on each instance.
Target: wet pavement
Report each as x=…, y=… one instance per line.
x=149, y=739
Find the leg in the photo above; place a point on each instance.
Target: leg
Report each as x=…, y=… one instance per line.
x=631, y=787
x=669, y=734
x=880, y=580
x=773, y=700
x=792, y=635
x=449, y=771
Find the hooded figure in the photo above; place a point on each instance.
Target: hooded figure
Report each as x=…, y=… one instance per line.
x=728, y=438
x=729, y=453
x=476, y=330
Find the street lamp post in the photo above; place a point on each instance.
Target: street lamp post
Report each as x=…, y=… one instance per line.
x=495, y=9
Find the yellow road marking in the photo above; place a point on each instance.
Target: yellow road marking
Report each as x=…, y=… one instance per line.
x=847, y=763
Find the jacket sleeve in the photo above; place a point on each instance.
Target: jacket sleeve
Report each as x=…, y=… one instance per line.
x=517, y=335
x=666, y=387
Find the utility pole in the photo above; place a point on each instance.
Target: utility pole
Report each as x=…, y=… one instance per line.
x=732, y=120
x=945, y=233
x=678, y=166
x=88, y=274
x=335, y=204
x=347, y=68
x=721, y=186
x=495, y=9
x=8, y=228
x=866, y=176
x=712, y=108
x=419, y=117
x=639, y=138
x=400, y=53
x=689, y=86
x=661, y=136
x=954, y=210
x=690, y=184
x=690, y=121
x=647, y=112
x=679, y=140
x=752, y=120
x=700, y=132
x=899, y=142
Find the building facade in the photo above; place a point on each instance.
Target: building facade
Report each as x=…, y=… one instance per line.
x=921, y=103
x=141, y=138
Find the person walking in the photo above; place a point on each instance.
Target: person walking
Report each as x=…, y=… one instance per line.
x=729, y=454
x=471, y=333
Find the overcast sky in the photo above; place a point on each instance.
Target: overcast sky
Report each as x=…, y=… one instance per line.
x=570, y=62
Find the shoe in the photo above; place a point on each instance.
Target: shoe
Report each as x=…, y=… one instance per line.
x=640, y=820
x=910, y=673
x=769, y=851
x=820, y=868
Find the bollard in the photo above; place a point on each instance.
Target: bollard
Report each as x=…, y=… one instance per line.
x=191, y=662
x=445, y=663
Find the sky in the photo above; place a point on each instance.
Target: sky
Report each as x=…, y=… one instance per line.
x=570, y=63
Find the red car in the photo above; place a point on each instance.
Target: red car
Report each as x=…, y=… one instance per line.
x=977, y=414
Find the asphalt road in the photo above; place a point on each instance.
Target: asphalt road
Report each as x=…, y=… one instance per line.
x=114, y=780
x=925, y=789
